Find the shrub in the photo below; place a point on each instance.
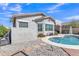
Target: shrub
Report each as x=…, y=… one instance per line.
x=50, y=34
x=56, y=32
x=3, y=31
x=41, y=35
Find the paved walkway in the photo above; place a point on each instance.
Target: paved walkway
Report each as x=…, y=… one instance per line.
x=72, y=52
x=32, y=48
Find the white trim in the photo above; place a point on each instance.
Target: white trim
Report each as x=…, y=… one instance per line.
x=23, y=21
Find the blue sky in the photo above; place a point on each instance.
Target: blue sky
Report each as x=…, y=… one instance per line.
x=60, y=11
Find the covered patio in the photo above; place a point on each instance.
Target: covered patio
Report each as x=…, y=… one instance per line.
x=63, y=29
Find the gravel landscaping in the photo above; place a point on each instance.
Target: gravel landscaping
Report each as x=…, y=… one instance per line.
x=32, y=48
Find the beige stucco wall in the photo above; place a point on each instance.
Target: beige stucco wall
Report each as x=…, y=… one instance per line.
x=20, y=35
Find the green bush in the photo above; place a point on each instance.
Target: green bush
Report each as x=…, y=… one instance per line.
x=56, y=33
x=41, y=35
x=3, y=31
x=50, y=34
x=74, y=23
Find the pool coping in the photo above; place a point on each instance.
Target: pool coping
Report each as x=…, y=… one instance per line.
x=45, y=39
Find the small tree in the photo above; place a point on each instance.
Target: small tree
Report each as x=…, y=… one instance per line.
x=74, y=23
x=3, y=30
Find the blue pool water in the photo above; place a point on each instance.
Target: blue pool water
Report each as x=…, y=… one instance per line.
x=69, y=40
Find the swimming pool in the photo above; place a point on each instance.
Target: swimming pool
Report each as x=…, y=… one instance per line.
x=64, y=41
x=68, y=39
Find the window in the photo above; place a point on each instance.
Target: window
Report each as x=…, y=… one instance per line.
x=23, y=24
x=48, y=27
x=40, y=27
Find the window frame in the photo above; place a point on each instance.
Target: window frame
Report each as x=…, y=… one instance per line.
x=40, y=27
x=48, y=27
x=23, y=26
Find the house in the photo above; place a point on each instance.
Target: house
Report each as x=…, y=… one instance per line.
x=26, y=27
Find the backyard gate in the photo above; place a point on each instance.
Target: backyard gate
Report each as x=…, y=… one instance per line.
x=6, y=39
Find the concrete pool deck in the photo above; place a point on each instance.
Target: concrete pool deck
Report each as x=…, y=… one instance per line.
x=70, y=50
x=36, y=48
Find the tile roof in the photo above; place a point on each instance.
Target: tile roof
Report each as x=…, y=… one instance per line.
x=26, y=15
x=43, y=18
x=33, y=14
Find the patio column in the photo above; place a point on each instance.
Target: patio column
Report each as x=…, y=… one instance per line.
x=60, y=29
x=43, y=27
x=70, y=32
